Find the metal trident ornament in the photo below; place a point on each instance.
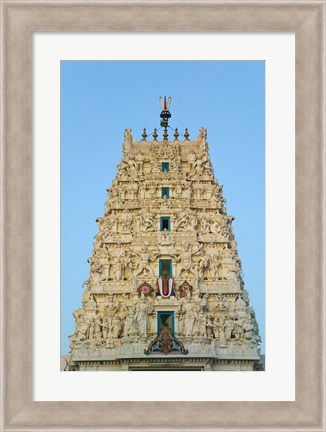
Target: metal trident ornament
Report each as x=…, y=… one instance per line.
x=165, y=105
x=165, y=114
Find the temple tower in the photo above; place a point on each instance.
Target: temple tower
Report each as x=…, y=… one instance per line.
x=165, y=290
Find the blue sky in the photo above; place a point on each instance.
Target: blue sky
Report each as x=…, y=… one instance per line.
x=99, y=99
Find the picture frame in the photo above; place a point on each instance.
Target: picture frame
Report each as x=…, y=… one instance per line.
x=20, y=20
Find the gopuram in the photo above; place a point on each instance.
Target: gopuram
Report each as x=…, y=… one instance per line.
x=165, y=290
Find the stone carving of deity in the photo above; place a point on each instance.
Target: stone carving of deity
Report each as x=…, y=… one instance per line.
x=130, y=322
x=112, y=221
x=165, y=238
x=142, y=192
x=228, y=328
x=116, y=327
x=202, y=324
x=119, y=255
x=145, y=221
x=189, y=310
x=221, y=303
x=154, y=190
x=145, y=259
x=104, y=260
x=139, y=160
x=191, y=160
x=204, y=224
x=182, y=221
x=165, y=202
x=126, y=222
x=203, y=264
x=185, y=258
x=128, y=139
x=96, y=271
x=144, y=309
x=178, y=190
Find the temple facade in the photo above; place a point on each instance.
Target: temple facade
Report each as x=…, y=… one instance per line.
x=165, y=290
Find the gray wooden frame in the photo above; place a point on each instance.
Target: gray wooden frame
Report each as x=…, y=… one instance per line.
x=20, y=19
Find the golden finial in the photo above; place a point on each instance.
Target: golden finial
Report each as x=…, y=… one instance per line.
x=155, y=135
x=144, y=134
x=186, y=135
x=165, y=134
x=176, y=134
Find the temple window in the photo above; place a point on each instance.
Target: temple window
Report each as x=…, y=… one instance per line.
x=165, y=166
x=165, y=266
x=165, y=320
x=165, y=223
x=165, y=192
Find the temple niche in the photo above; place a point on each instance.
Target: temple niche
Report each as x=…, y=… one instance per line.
x=165, y=290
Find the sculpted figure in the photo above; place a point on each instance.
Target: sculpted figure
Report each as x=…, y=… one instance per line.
x=96, y=271
x=142, y=192
x=140, y=160
x=215, y=227
x=202, y=324
x=228, y=327
x=104, y=260
x=227, y=253
x=126, y=222
x=154, y=190
x=204, y=225
x=189, y=317
x=193, y=222
x=98, y=328
x=209, y=327
x=199, y=164
x=191, y=159
x=122, y=193
x=130, y=323
x=219, y=329
x=145, y=258
x=145, y=308
x=233, y=273
x=131, y=191
x=213, y=267
x=81, y=332
x=146, y=221
x=182, y=220
x=186, y=259
x=128, y=138
x=113, y=223
x=81, y=325
x=165, y=202
x=90, y=305
x=91, y=328
x=248, y=330
x=135, y=188
x=221, y=303
x=165, y=238
x=178, y=190
x=180, y=314
x=203, y=263
x=202, y=133
x=116, y=327
x=119, y=262
x=127, y=263
x=238, y=330
x=113, y=195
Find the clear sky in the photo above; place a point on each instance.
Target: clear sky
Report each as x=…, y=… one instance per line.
x=99, y=99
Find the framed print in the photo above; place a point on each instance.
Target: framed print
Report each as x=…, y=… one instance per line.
x=21, y=410
x=221, y=49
